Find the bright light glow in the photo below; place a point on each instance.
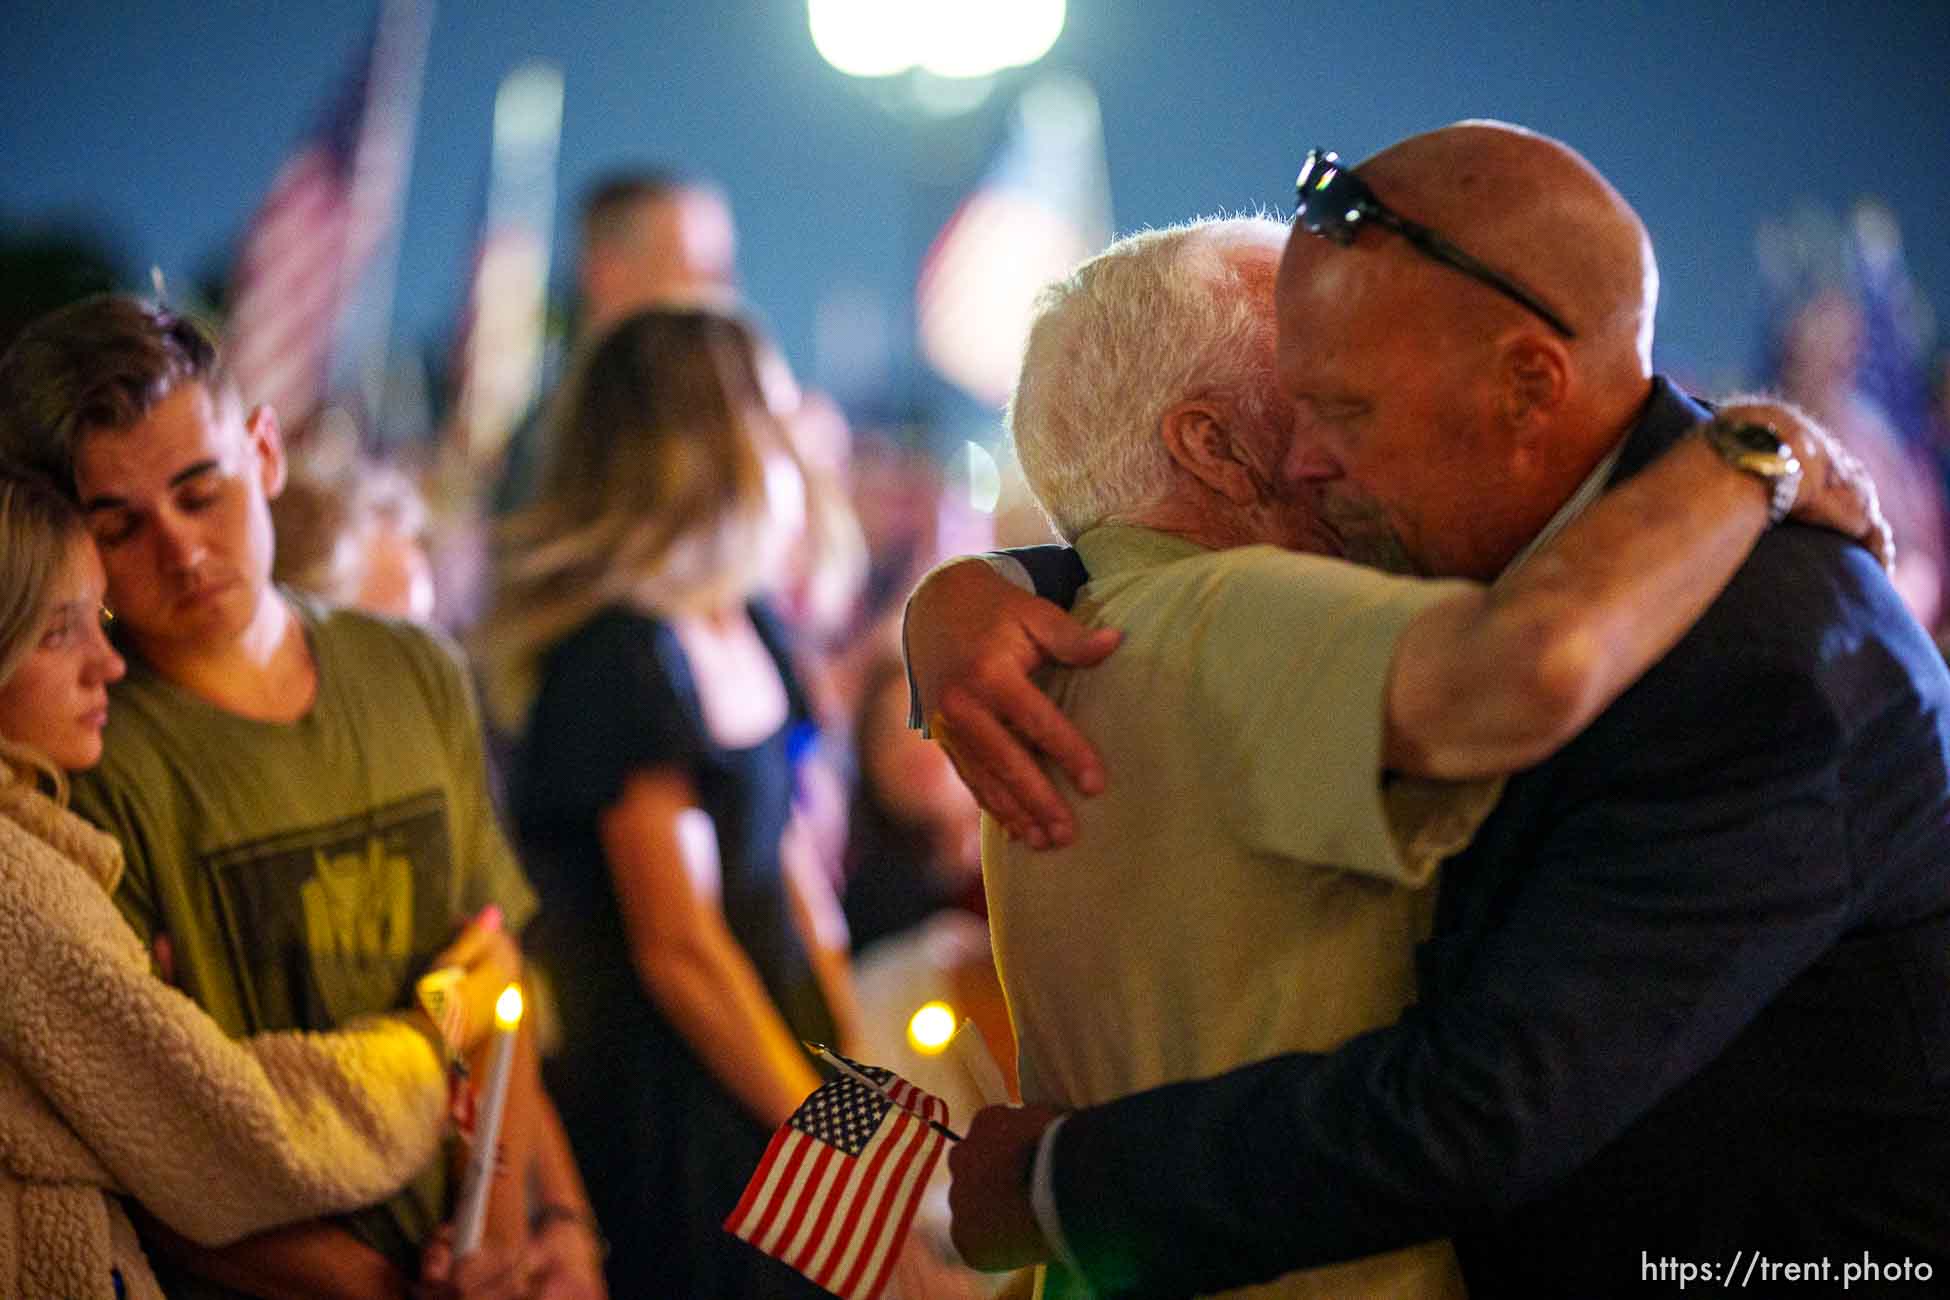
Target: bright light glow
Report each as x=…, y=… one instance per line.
x=866, y=38
x=507, y=1008
x=931, y=1027
x=949, y=38
x=528, y=107
x=984, y=478
x=974, y=40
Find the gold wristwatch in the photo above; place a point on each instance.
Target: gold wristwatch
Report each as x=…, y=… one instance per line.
x=1755, y=448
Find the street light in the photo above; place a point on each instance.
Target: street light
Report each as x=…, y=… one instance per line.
x=929, y=64
x=948, y=38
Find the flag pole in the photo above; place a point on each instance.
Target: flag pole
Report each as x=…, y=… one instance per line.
x=844, y=1067
x=382, y=173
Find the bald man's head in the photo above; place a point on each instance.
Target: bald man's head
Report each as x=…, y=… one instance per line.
x=1434, y=398
x=1537, y=211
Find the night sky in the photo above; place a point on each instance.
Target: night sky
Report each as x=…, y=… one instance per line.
x=159, y=125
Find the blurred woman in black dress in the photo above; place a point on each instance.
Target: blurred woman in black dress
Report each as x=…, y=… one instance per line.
x=691, y=938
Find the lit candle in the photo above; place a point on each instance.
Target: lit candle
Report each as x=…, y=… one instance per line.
x=930, y=1028
x=471, y=1218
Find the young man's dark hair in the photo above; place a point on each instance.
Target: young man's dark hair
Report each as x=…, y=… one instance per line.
x=104, y=362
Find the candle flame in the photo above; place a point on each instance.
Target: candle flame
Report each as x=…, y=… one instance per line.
x=931, y=1027
x=507, y=1007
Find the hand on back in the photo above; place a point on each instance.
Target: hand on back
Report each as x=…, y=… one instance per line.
x=1836, y=490
x=973, y=639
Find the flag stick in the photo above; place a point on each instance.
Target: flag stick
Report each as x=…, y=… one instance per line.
x=820, y=1050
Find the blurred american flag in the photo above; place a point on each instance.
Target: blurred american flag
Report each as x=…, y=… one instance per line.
x=1042, y=207
x=330, y=209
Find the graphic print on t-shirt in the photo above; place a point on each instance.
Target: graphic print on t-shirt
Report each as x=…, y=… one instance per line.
x=334, y=921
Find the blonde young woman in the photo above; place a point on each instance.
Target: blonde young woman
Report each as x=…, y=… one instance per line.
x=692, y=940
x=112, y=1083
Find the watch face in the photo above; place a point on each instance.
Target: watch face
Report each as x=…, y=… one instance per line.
x=1757, y=437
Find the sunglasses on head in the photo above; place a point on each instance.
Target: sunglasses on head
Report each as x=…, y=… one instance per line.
x=1333, y=202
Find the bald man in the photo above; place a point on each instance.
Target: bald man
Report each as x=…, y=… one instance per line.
x=1685, y=1017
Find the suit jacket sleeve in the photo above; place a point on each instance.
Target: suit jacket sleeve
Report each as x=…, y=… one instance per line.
x=1696, y=862
x=1057, y=571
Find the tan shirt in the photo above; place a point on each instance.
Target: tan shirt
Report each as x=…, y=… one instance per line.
x=110, y=1081
x=1250, y=884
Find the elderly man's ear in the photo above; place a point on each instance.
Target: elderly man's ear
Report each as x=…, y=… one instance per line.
x=1202, y=437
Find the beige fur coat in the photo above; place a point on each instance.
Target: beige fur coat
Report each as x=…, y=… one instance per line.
x=112, y=1082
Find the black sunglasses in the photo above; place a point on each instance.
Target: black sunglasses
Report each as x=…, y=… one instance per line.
x=1333, y=202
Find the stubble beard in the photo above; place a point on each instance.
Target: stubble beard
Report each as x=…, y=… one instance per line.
x=1367, y=536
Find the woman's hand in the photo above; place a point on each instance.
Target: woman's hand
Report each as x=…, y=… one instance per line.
x=491, y=1272
x=487, y=961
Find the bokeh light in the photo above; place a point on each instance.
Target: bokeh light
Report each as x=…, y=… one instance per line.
x=930, y=1028
x=507, y=1007
x=949, y=38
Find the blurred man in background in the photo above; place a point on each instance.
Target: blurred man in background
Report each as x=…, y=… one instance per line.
x=650, y=237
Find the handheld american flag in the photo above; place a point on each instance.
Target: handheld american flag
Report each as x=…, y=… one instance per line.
x=838, y=1187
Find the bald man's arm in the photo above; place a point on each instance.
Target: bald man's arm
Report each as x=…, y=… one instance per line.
x=972, y=638
x=1496, y=679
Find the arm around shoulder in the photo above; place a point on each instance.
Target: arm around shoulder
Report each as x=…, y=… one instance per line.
x=1498, y=678
x=218, y=1138
x=972, y=640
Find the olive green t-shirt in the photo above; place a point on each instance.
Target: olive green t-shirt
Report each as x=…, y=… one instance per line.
x=305, y=873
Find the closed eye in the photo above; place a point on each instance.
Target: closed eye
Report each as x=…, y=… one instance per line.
x=199, y=498
x=111, y=530
x=61, y=630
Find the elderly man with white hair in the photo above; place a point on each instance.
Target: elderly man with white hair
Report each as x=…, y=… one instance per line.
x=1254, y=880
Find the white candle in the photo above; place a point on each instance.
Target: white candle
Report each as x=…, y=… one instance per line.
x=471, y=1219
x=972, y=1050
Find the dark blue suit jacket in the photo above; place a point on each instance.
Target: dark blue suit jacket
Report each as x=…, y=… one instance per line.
x=1688, y=996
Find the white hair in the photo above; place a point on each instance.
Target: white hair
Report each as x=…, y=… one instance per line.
x=1157, y=318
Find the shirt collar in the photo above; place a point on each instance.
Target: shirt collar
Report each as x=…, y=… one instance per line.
x=1116, y=548
x=1588, y=491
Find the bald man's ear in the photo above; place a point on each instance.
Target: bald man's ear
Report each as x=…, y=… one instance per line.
x=1533, y=375
x=1199, y=437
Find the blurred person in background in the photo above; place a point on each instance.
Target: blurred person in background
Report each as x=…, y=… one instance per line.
x=818, y=598
x=650, y=236
x=691, y=938
x=654, y=237
x=915, y=841
x=355, y=536
x=113, y=1082
x=1820, y=355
